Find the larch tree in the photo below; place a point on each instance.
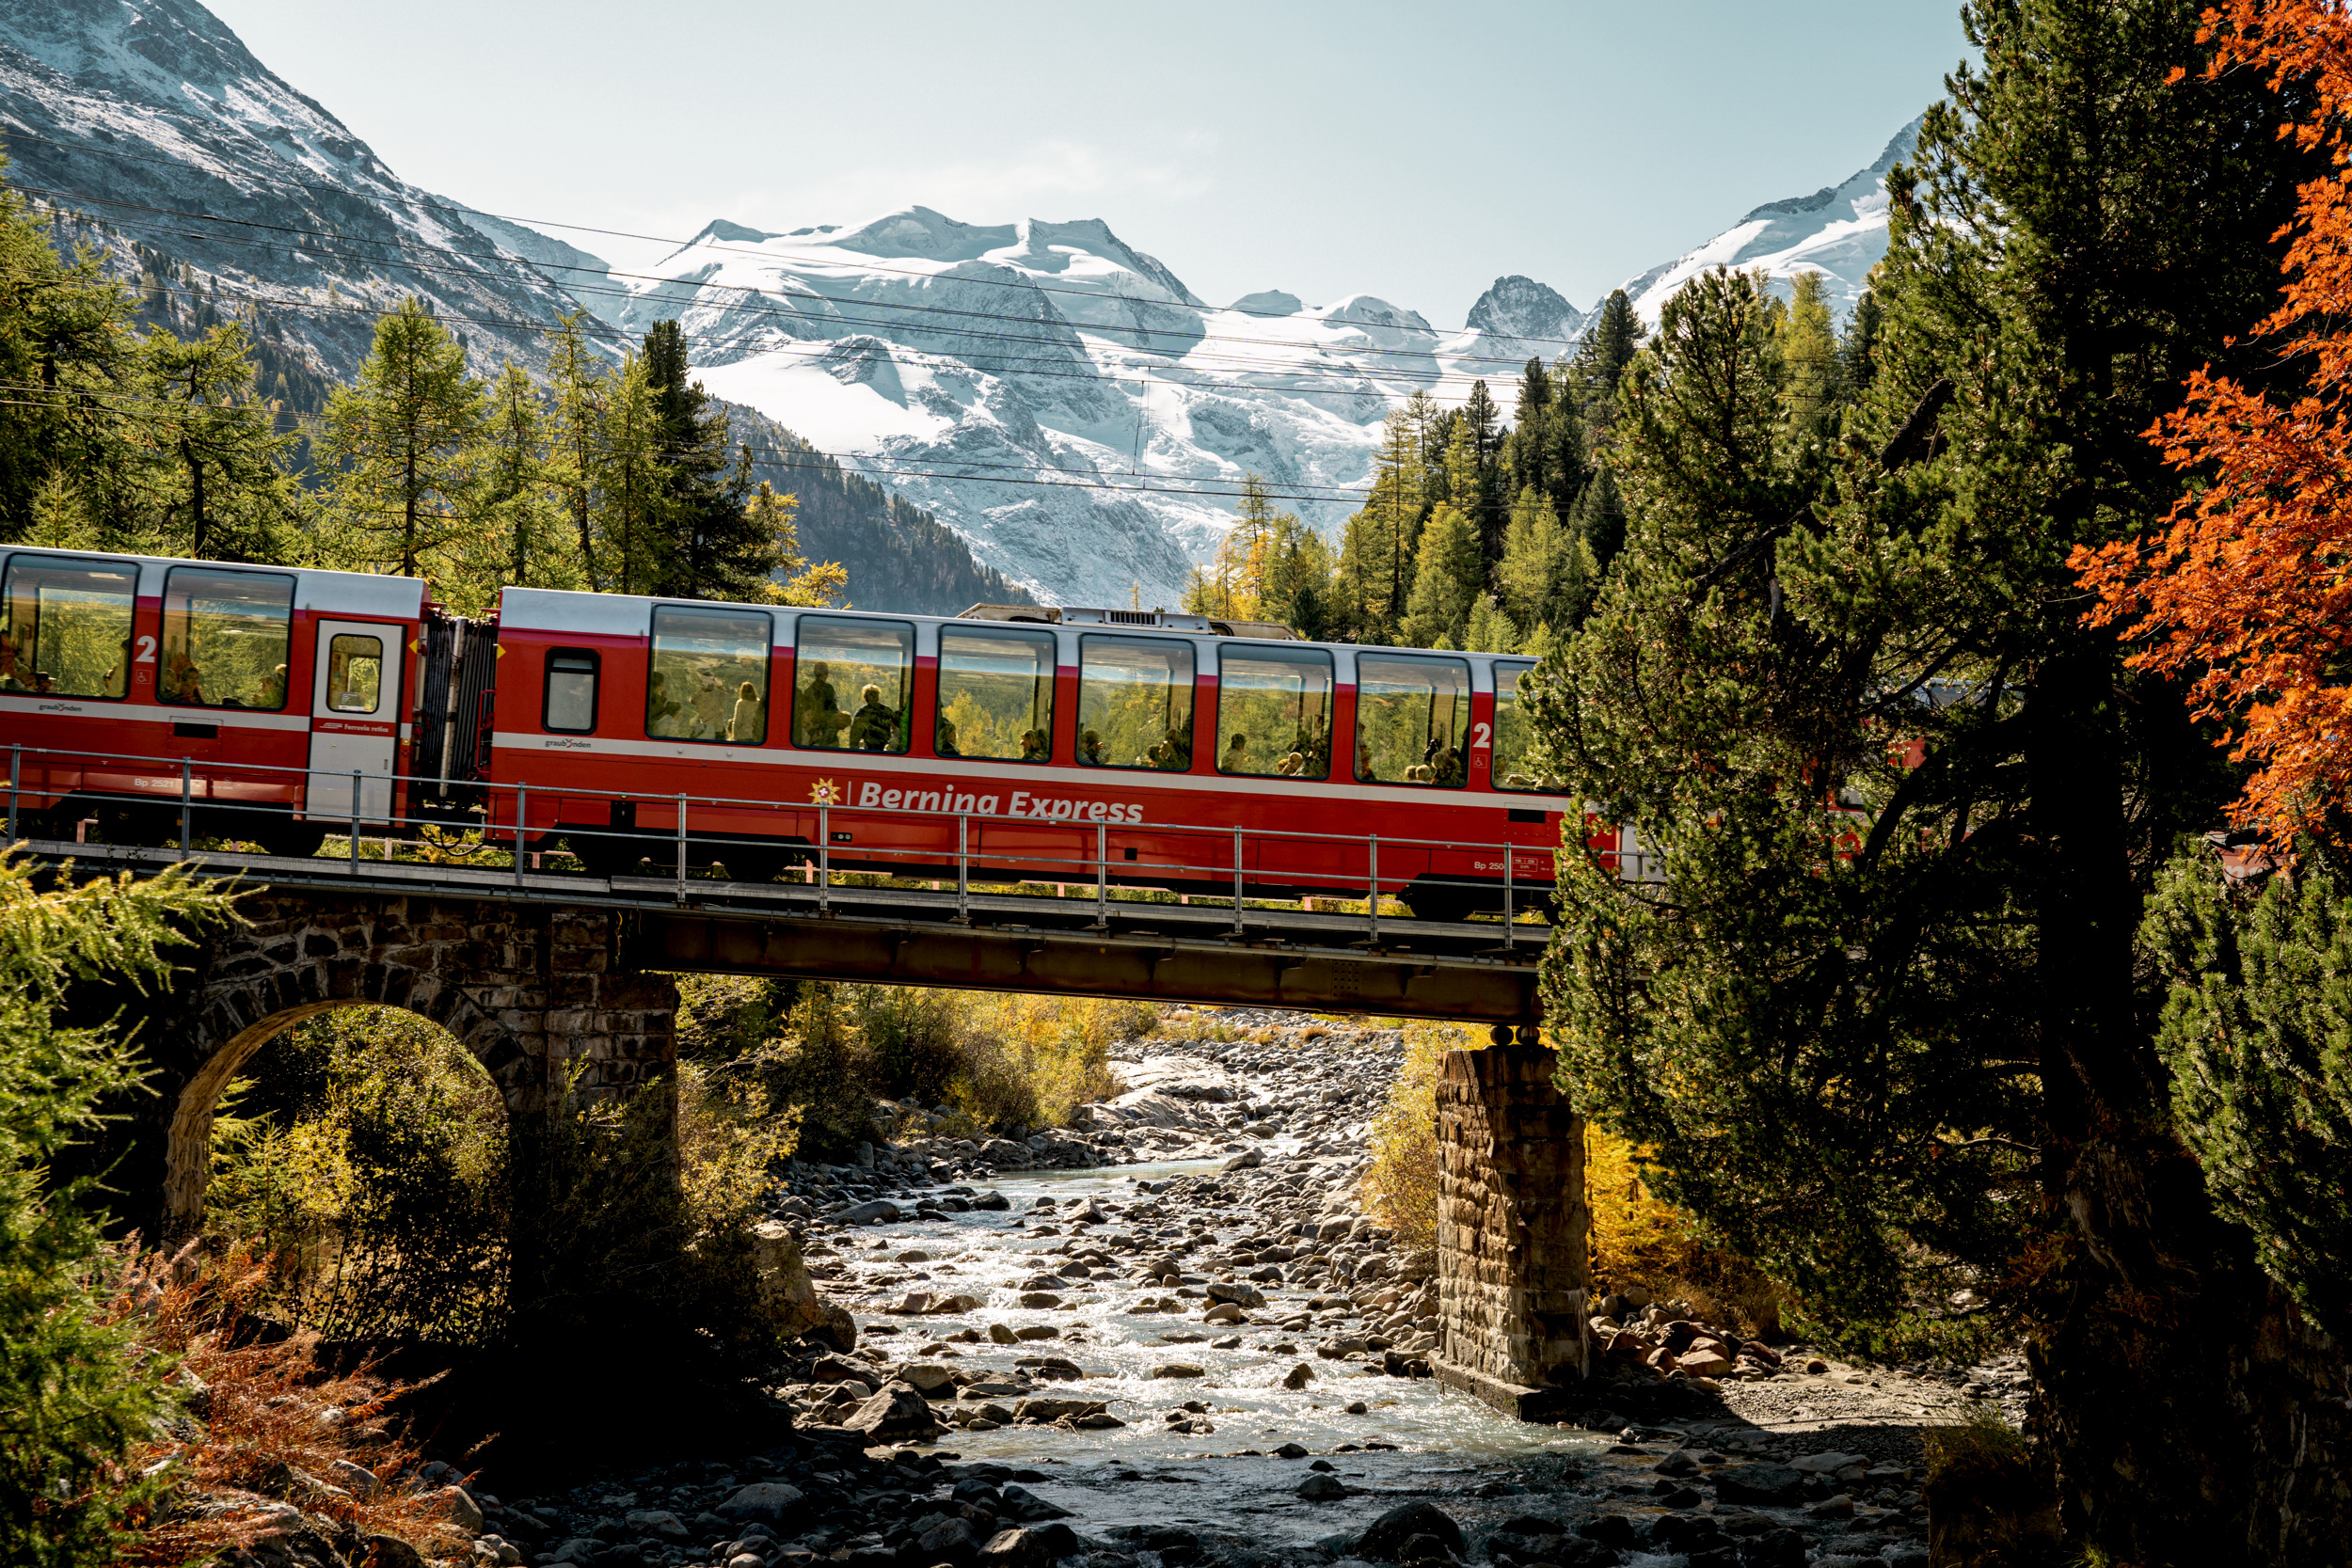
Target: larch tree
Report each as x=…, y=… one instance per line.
x=394, y=444
x=1884, y=1020
x=1449, y=577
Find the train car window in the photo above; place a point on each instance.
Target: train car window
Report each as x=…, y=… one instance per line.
x=1135, y=702
x=65, y=626
x=568, y=706
x=707, y=677
x=853, y=684
x=1274, y=712
x=1410, y=716
x=227, y=637
x=1514, y=735
x=355, y=674
x=996, y=695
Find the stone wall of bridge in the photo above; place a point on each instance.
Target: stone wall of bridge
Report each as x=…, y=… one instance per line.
x=536, y=994
x=1512, y=1230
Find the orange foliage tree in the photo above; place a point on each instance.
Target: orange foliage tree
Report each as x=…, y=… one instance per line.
x=2249, y=591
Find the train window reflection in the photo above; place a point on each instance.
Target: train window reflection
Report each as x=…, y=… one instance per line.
x=1135, y=702
x=1514, y=735
x=996, y=695
x=1274, y=713
x=65, y=626
x=355, y=674
x=570, y=702
x=227, y=637
x=1410, y=716
x=853, y=684
x=708, y=676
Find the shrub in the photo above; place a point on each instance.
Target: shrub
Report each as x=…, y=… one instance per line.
x=366, y=1156
x=267, y=1416
x=1400, y=1188
x=76, y=1393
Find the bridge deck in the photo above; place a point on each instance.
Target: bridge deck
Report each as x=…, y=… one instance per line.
x=1318, y=960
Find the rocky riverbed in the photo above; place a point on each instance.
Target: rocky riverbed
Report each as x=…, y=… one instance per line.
x=1169, y=1335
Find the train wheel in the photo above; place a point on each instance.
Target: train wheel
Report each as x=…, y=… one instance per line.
x=747, y=862
x=602, y=855
x=289, y=839
x=1436, y=901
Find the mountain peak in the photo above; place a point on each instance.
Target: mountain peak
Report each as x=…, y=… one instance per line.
x=1516, y=307
x=722, y=231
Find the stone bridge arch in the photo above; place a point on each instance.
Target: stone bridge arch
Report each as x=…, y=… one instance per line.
x=530, y=992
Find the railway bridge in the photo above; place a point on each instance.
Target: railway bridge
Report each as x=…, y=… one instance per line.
x=551, y=979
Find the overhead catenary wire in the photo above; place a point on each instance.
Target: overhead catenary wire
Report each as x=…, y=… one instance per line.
x=461, y=214
x=1205, y=376
x=405, y=249
x=809, y=458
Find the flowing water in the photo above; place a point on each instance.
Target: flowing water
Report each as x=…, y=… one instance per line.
x=1415, y=1440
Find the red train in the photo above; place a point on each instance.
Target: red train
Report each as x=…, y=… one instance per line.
x=1019, y=742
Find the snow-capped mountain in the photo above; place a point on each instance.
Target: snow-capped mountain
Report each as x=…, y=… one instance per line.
x=1840, y=231
x=1062, y=398
x=151, y=118
x=1059, y=399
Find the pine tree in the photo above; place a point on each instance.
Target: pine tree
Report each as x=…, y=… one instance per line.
x=578, y=389
x=1879, y=1015
x=1808, y=343
x=712, y=550
x=1857, y=349
x=630, y=531
x=525, y=539
x=1376, y=553
x=215, y=485
x=65, y=331
x=1449, y=575
x=1490, y=629
x=1609, y=344
x=1473, y=475
x=1548, y=574
x=394, y=445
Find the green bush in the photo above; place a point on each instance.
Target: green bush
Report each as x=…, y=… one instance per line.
x=2257, y=1030
x=365, y=1153
x=75, y=1395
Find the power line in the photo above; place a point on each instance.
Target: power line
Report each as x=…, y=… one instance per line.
x=461, y=214
x=1354, y=378
x=405, y=249
x=312, y=424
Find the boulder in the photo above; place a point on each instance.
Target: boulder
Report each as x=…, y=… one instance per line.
x=1297, y=1377
x=761, y=1502
x=927, y=1378
x=896, y=1414
x=1320, y=1488
x=1027, y=1507
x=655, y=1521
x=1702, y=1361
x=1385, y=1537
x=459, y=1509
x=1826, y=1463
x=1758, y=1483
x=1040, y=1301
x=785, y=1291
x=1038, y=1547
x=949, y=1541
x=874, y=1211
x=1246, y=1159
x=1046, y=1411
x=388, y=1551
x=1236, y=1293
x=1177, y=1369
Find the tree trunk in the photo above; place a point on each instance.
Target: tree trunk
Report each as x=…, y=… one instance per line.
x=2192, y=1415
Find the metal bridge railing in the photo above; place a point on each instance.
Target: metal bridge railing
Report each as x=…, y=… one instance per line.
x=203, y=809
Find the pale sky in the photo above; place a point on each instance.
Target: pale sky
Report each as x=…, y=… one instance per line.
x=1413, y=151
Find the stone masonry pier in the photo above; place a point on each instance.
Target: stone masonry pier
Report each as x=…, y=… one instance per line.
x=1512, y=1233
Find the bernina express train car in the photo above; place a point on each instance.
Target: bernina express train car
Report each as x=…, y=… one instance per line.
x=266, y=687
x=1025, y=742
x=1043, y=736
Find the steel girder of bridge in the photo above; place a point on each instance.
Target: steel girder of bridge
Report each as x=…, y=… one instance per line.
x=1315, y=962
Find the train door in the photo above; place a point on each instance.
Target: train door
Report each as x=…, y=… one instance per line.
x=355, y=719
